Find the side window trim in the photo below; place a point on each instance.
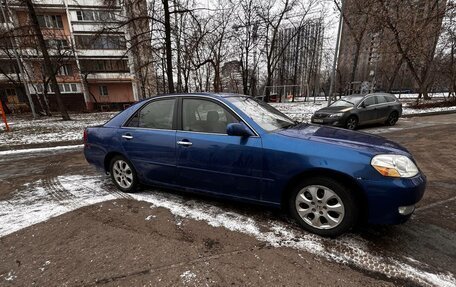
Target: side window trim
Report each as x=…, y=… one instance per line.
x=174, y=123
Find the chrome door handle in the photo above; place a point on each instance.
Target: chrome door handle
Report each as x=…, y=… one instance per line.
x=127, y=136
x=184, y=143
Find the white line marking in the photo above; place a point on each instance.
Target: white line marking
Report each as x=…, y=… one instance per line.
x=421, y=208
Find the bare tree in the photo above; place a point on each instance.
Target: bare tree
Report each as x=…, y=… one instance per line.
x=414, y=35
x=46, y=59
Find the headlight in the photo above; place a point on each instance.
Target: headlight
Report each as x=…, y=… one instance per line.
x=394, y=165
x=337, y=115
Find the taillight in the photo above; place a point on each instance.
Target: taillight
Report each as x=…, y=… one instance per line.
x=84, y=137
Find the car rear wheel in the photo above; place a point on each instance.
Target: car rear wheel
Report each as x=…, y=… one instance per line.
x=123, y=174
x=392, y=119
x=323, y=206
x=351, y=123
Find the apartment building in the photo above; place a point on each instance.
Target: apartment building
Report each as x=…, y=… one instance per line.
x=369, y=58
x=89, y=43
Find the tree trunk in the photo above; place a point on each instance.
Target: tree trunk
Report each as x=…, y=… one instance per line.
x=168, y=47
x=355, y=62
x=47, y=61
x=393, y=78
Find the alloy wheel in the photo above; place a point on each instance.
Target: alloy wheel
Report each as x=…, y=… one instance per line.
x=320, y=207
x=122, y=174
x=352, y=123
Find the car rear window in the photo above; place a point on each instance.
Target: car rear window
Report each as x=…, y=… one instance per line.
x=390, y=99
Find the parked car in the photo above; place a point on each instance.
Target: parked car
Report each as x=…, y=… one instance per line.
x=236, y=147
x=356, y=110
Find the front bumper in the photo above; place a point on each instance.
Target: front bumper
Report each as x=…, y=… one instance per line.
x=336, y=122
x=386, y=196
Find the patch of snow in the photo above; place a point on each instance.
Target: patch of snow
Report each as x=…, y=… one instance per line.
x=36, y=203
x=148, y=218
x=25, y=130
x=38, y=150
x=187, y=277
x=10, y=276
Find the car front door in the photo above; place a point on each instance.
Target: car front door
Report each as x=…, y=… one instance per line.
x=149, y=141
x=367, y=110
x=209, y=159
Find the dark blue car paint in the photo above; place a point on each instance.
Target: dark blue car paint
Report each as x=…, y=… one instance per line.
x=256, y=168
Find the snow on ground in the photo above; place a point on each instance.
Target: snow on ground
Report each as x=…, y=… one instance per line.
x=36, y=202
x=49, y=129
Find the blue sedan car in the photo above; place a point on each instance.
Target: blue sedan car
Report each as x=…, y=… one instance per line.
x=236, y=147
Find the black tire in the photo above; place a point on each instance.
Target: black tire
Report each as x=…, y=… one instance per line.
x=347, y=221
x=392, y=119
x=351, y=123
x=133, y=185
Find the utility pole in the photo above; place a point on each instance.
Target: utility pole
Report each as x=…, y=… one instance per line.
x=47, y=60
x=18, y=60
x=336, y=54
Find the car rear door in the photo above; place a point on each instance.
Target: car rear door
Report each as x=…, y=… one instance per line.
x=208, y=159
x=367, y=110
x=149, y=141
x=383, y=108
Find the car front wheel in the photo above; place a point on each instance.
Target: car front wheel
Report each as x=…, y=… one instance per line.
x=323, y=206
x=351, y=123
x=123, y=174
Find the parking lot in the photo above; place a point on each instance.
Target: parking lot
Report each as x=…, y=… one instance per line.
x=63, y=223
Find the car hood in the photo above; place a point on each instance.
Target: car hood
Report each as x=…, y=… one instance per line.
x=344, y=138
x=331, y=110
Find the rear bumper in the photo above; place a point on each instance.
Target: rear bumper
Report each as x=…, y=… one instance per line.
x=385, y=197
x=94, y=156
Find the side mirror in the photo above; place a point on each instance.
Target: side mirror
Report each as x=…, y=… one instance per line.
x=238, y=129
x=363, y=105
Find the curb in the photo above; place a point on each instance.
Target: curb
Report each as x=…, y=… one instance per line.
x=40, y=145
x=429, y=114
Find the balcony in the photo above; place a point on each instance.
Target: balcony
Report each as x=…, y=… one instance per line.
x=101, y=53
x=109, y=77
x=79, y=26
x=87, y=3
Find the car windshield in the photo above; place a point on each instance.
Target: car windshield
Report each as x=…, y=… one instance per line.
x=263, y=114
x=348, y=101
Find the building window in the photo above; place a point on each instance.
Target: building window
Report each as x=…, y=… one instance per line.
x=65, y=70
x=57, y=44
x=8, y=67
x=50, y=21
x=65, y=88
x=104, y=66
x=91, y=15
x=101, y=42
x=103, y=90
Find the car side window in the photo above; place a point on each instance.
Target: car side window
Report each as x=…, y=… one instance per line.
x=155, y=115
x=381, y=99
x=205, y=116
x=390, y=99
x=369, y=101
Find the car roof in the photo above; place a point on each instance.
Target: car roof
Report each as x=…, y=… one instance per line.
x=211, y=95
